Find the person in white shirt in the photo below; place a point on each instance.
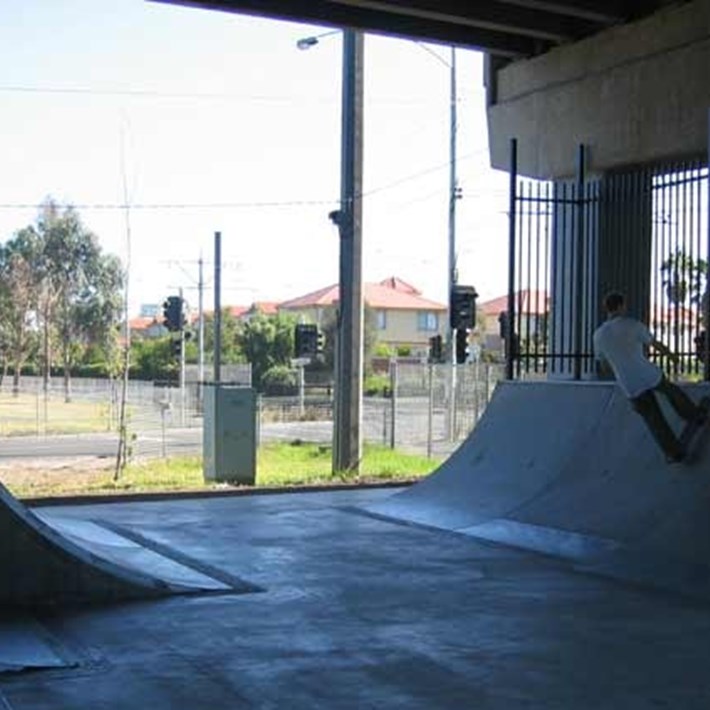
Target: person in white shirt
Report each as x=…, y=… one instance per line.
x=620, y=343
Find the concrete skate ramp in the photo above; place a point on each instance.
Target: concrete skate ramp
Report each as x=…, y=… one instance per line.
x=41, y=566
x=570, y=469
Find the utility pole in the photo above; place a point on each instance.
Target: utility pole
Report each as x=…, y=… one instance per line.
x=347, y=434
x=217, y=307
x=452, y=273
x=200, y=328
x=182, y=358
x=453, y=196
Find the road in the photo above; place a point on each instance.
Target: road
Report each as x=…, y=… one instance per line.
x=185, y=441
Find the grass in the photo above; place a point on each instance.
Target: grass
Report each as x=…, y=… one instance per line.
x=32, y=414
x=278, y=465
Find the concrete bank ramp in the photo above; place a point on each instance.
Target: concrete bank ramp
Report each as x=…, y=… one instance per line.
x=53, y=563
x=570, y=469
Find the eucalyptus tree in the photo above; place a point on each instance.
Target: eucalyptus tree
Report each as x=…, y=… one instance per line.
x=57, y=287
x=20, y=275
x=80, y=296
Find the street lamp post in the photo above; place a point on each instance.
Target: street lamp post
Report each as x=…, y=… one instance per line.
x=453, y=196
x=347, y=415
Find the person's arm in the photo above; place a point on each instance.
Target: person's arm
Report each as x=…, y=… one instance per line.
x=663, y=349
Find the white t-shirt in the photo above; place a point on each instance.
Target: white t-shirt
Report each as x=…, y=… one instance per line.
x=620, y=342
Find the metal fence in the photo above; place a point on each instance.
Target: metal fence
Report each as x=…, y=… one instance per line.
x=643, y=231
x=430, y=410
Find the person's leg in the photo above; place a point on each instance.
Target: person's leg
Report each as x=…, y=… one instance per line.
x=647, y=406
x=680, y=401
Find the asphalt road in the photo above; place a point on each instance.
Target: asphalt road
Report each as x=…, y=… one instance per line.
x=184, y=441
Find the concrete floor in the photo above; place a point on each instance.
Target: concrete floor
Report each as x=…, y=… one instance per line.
x=359, y=612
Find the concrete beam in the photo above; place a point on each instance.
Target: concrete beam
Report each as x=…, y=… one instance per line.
x=633, y=94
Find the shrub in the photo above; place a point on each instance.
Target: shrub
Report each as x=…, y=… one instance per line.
x=376, y=385
x=280, y=380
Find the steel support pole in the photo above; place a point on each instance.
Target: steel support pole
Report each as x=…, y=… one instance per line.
x=512, y=217
x=347, y=439
x=578, y=306
x=182, y=359
x=705, y=299
x=217, y=307
x=201, y=331
x=452, y=275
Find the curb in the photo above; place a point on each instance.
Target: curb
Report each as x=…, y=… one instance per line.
x=147, y=497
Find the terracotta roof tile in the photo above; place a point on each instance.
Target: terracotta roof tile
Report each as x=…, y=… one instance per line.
x=143, y=322
x=532, y=302
x=376, y=295
x=398, y=285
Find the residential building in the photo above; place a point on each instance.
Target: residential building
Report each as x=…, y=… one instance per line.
x=403, y=317
x=531, y=307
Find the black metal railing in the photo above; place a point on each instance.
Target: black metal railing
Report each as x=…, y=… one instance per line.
x=644, y=232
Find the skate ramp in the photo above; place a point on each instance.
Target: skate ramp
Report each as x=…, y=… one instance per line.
x=570, y=469
x=52, y=560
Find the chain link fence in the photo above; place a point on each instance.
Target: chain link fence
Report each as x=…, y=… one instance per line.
x=429, y=410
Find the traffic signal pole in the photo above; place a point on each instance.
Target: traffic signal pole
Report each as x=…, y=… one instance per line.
x=182, y=360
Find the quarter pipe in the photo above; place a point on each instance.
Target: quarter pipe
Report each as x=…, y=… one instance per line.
x=569, y=469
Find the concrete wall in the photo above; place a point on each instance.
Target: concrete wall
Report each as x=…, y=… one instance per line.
x=635, y=94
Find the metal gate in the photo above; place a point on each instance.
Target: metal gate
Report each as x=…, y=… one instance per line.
x=644, y=232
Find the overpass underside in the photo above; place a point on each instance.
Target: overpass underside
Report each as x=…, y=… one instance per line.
x=607, y=141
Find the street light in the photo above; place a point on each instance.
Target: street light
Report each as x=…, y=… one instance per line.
x=454, y=192
x=347, y=419
x=308, y=42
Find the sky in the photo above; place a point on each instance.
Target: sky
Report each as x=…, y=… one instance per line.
x=207, y=121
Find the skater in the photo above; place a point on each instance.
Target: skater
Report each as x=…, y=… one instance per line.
x=620, y=344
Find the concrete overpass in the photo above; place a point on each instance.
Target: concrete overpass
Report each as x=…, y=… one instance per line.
x=626, y=79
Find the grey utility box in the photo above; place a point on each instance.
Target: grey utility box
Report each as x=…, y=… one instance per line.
x=229, y=434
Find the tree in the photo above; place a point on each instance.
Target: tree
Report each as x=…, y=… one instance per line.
x=230, y=351
x=684, y=277
x=20, y=278
x=267, y=341
x=81, y=288
x=329, y=327
x=57, y=282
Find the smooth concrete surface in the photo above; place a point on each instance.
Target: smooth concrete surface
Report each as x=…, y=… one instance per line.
x=634, y=94
x=25, y=645
x=44, y=564
x=361, y=612
x=570, y=469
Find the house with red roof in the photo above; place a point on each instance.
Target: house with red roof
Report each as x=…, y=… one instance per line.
x=403, y=317
x=531, y=306
x=147, y=327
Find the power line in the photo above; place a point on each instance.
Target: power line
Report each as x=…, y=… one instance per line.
x=200, y=96
x=174, y=205
x=255, y=204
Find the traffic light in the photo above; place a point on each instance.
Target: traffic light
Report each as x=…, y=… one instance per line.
x=503, y=324
x=173, y=318
x=176, y=348
x=320, y=342
x=306, y=340
x=462, y=307
x=436, y=349
x=461, y=346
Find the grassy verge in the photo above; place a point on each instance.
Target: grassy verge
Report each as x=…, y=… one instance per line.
x=32, y=414
x=279, y=464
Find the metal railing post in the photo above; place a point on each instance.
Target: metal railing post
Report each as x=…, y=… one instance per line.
x=577, y=306
x=512, y=216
